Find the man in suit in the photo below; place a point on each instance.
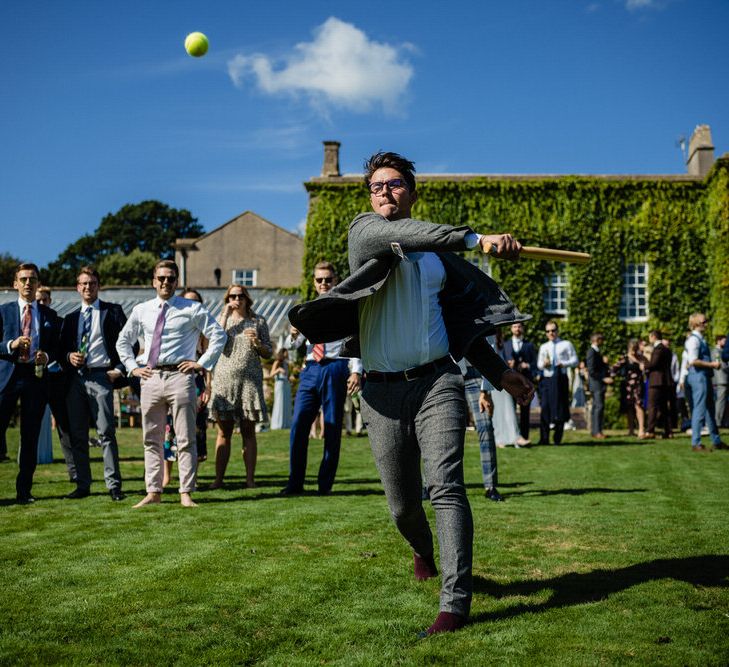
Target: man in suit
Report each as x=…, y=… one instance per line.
x=554, y=358
x=660, y=383
x=721, y=381
x=171, y=326
x=324, y=383
x=599, y=377
x=30, y=341
x=521, y=355
x=412, y=307
x=88, y=352
x=58, y=388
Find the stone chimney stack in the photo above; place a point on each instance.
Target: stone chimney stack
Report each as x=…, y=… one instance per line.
x=701, y=151
x=330, y=167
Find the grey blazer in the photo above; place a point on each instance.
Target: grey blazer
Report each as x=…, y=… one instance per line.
x=473, y=304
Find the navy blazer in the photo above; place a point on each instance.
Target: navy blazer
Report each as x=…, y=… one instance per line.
x=113, y=320
x=596, y=367
x=49, y=330
x=527, y=354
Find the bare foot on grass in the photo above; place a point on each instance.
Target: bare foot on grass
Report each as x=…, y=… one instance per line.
x=186, y=500
x=150, y=499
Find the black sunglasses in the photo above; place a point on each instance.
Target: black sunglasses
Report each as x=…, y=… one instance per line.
x=328, y=280
x=167, y=279
x=237, y=297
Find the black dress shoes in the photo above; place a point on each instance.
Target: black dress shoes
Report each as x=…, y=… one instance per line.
x=78, y=493
x=116, y=494
x=720, y=445
x=288, y=491
x=493, y=494
x=24, y=500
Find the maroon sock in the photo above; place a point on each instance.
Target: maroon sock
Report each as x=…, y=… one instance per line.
x=446, y=622
x=424, y=567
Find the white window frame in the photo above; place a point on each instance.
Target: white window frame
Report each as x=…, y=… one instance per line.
x=556, y=292
x=250, y=279
x=634, y=294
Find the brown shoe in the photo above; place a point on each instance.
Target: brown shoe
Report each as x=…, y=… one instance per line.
x=599, y=436
x=699, y=448
x=647, y=436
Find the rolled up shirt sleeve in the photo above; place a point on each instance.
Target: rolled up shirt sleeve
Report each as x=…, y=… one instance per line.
x=128, y=336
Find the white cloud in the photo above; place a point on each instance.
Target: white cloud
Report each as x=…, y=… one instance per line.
x=341, y=67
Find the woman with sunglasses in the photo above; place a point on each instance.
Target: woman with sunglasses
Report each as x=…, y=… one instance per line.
x=237, y=391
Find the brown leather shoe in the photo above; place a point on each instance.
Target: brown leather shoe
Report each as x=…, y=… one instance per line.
x=699, y=448
x=647, y=436
x=599, y=436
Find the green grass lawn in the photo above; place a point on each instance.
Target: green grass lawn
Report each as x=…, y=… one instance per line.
x=608, y=554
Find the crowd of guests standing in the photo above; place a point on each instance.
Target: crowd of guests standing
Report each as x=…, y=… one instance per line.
x=188, y=367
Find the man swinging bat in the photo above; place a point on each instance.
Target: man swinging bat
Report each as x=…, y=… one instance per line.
x=410, y=308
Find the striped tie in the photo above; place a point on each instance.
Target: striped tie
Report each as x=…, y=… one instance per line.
x=85, y=332
x=318, y=352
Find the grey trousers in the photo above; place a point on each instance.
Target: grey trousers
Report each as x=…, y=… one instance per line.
x=597, y=389
x=720, y=404
x=91, y=399
x=426, y=418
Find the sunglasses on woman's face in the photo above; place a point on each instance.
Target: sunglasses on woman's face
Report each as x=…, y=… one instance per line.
x=234, y=296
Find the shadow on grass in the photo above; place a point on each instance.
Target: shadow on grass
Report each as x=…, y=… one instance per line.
x=580, y=588
x=571, y=492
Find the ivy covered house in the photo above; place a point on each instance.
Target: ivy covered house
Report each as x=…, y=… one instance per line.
x=659, y=243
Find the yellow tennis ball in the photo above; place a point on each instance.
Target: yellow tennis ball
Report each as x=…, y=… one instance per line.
x=196, y=44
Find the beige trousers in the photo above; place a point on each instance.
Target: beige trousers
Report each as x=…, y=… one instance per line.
x=174, y=391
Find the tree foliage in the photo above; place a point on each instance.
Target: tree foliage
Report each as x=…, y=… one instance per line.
x=679, y=227
x=8, y=263
x=149, y=227
x=132, y=269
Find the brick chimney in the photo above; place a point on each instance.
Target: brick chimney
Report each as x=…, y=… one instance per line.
x=701, y=151
x=330, y=167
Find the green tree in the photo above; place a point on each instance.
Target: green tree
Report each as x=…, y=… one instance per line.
x=150, y=227
x=132, y=269
x=7, y=269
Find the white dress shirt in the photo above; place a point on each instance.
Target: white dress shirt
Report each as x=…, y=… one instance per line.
x=559, y=352
x=184, y=322
x=34, y=327
x=401, y=325
x=693, y=347
x=96, y=354
x=516, y=344
x=331, y=351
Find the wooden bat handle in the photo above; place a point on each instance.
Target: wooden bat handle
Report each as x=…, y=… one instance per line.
x=553, y=255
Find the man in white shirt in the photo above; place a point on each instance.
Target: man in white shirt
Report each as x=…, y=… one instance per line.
x=413, y=304
x=171, y=327
x=700, y=369
x=555, y=357
x=324, y=383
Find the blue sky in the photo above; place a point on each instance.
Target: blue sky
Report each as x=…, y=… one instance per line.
x=103, y=107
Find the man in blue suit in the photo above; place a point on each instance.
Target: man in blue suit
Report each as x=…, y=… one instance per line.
x=30, y=333
x=521, y=355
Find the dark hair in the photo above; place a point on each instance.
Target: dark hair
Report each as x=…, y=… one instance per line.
x=656, y=333
x=166, y=264
x=596, y=335
x=27, y=266
x=89, y=271
x=394, y=161
x=191, y=290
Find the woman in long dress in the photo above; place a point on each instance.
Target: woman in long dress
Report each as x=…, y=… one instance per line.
x=631, y=367
x=281, y=413
x=506, y=427
x=237, y=391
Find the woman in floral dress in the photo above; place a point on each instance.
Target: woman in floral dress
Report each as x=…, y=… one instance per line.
x=237, y=391
x=631, y=367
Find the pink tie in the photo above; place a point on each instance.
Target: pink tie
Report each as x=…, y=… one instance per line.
x=156, y=346
x=24, y=354
x=318, y=352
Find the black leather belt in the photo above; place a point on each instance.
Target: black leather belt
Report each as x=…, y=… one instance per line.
x=166, y=367
x=410, y=374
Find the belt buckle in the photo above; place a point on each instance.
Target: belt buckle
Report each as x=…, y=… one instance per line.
x=409, y=370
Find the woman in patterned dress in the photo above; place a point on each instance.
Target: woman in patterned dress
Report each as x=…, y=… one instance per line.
x=631, y=367
x=237, y=392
